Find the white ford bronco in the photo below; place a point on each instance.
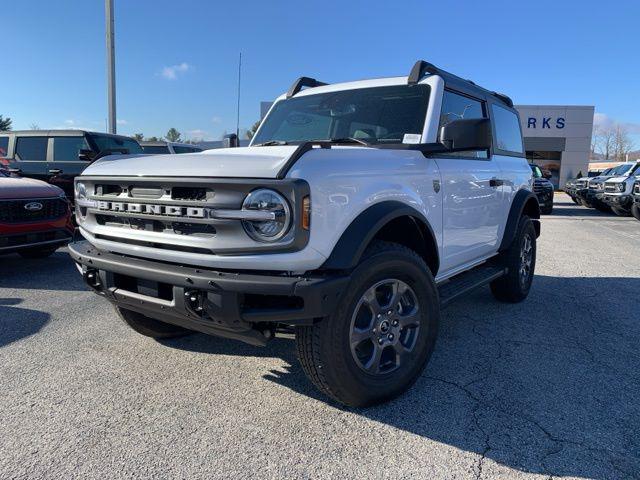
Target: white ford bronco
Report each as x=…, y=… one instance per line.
x=358, y=211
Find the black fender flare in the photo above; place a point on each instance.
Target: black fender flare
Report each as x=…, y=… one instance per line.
x=525, y=202
x=348, y=250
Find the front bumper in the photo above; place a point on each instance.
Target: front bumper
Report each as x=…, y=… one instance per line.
x=545, y=198
x=222, y=303
x=621, y=201
x=15, y=242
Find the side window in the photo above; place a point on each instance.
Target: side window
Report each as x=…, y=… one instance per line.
x=31, y=148
x=459, y=107
x=180, y=149
x=508, y=135
x=66, y=149
x=4, y=146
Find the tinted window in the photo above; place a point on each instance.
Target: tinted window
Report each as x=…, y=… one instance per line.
x=376, y=115
x=508, y=136
x=155, y=149
x=105, y=142
x=4, y=146
x=459, y=107
x=66, y=149
x=179, y=149
x=31, y=148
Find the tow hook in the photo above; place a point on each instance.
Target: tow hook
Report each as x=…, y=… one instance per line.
x=92, y=278
x=194, y=300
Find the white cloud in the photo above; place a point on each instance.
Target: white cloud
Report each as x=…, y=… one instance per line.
x=197, y=135
x=121, y=122
x=216, y=120
x=172, y=72
x=602, y=120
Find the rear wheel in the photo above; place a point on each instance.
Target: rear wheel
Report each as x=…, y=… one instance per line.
x=150, y=327
x=635, y=210
x=38, y=252
x=382, y=333
x=520, y=261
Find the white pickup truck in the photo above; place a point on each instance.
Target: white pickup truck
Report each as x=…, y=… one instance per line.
x=358, y=211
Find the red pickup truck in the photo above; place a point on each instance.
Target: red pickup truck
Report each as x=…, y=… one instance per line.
x=35, y=218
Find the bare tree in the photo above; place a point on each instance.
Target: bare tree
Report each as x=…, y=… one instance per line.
x=603, y=140
x=138, y=136
x=34, y=126
x=622, y=143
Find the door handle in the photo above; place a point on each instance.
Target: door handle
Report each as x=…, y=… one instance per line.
x=55, y=171
x=496, y=182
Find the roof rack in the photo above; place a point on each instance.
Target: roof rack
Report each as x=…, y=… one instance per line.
x=303, y=82
x=420, y=68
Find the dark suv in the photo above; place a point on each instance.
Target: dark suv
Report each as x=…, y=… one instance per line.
x=57, y=156
x=543, y=189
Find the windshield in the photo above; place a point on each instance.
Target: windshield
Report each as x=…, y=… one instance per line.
x=537, y=173
x=155, y=149
x=106, y=142
x=373, y=115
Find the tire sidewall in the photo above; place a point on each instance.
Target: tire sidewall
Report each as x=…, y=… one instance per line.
x=526, y=227
x=345, y=372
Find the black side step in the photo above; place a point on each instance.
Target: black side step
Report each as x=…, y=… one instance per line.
x=465, y=282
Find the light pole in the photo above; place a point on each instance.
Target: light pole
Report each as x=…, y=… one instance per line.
x=111, y=66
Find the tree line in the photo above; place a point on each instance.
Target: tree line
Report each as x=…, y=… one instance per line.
x=611, y=142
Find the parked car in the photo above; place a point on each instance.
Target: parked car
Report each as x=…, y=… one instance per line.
x=58, y=156
x=570, y=189
x=635, y=208
x=618, y=189
x=356, y=213
x=543, y=188
x=169, y=147
x=591, y=195
x=35, y=218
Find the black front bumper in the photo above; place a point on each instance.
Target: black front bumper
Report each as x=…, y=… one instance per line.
x=33, y=240
x=618, y=201
x=227, y=304
x=545, y=198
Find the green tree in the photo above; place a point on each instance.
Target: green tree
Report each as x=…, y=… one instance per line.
x=5, y=124
x=173, y=135
x=138, y=137
x=153, y=139
x=252, y=131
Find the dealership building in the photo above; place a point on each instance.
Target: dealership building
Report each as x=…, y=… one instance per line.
x=558, y=138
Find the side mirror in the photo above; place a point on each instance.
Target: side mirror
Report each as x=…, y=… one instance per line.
x=462, y=135
x=230, y=141
x=86, y=155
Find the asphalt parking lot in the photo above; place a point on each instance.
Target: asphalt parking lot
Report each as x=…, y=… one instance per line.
x=547, y=388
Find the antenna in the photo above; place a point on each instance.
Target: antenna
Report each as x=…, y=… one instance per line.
x=238, y=109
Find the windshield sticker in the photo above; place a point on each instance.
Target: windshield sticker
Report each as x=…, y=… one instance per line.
x=411, y=138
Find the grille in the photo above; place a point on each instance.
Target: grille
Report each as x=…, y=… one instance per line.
x=14, y=211
x=581, y=183
x=540, y=186
x=595, y=186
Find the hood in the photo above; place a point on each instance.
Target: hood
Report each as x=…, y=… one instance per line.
x=245, y=162
x=14, y=187
x=618, y=179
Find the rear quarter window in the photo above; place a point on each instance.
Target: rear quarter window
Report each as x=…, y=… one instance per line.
x=31, y=148
x=4, y=146
x=507, y=126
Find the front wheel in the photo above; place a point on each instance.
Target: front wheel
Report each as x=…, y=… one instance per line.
x=621, y=212
x=635, y=210
x=520, y=261
x=379, y=339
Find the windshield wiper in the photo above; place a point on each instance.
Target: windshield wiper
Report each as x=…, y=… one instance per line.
x=350, y=140
x=271, y=143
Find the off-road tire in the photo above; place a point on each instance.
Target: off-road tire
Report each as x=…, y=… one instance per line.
x=150, y=327
x=635, y=210
x=621, y=212
x=324, y=349
x=510, y=288
x=38, y=252
x=576, y=201
x=602, y=207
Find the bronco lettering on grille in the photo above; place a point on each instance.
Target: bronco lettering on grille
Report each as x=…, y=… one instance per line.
x=148, y=209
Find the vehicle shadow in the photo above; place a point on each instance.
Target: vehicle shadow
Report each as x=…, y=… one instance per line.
x=18, y=323
x=549, y=386
x=56, y=272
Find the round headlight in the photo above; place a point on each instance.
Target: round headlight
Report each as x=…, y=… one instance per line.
x=81, y=191
x=268, y=201
x=621, y=186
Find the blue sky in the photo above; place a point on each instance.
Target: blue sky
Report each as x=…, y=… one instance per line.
x=177, y=61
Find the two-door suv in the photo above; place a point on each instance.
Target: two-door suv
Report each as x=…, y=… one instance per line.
x=357, y=211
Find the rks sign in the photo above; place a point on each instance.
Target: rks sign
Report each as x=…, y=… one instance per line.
x=547, y=122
